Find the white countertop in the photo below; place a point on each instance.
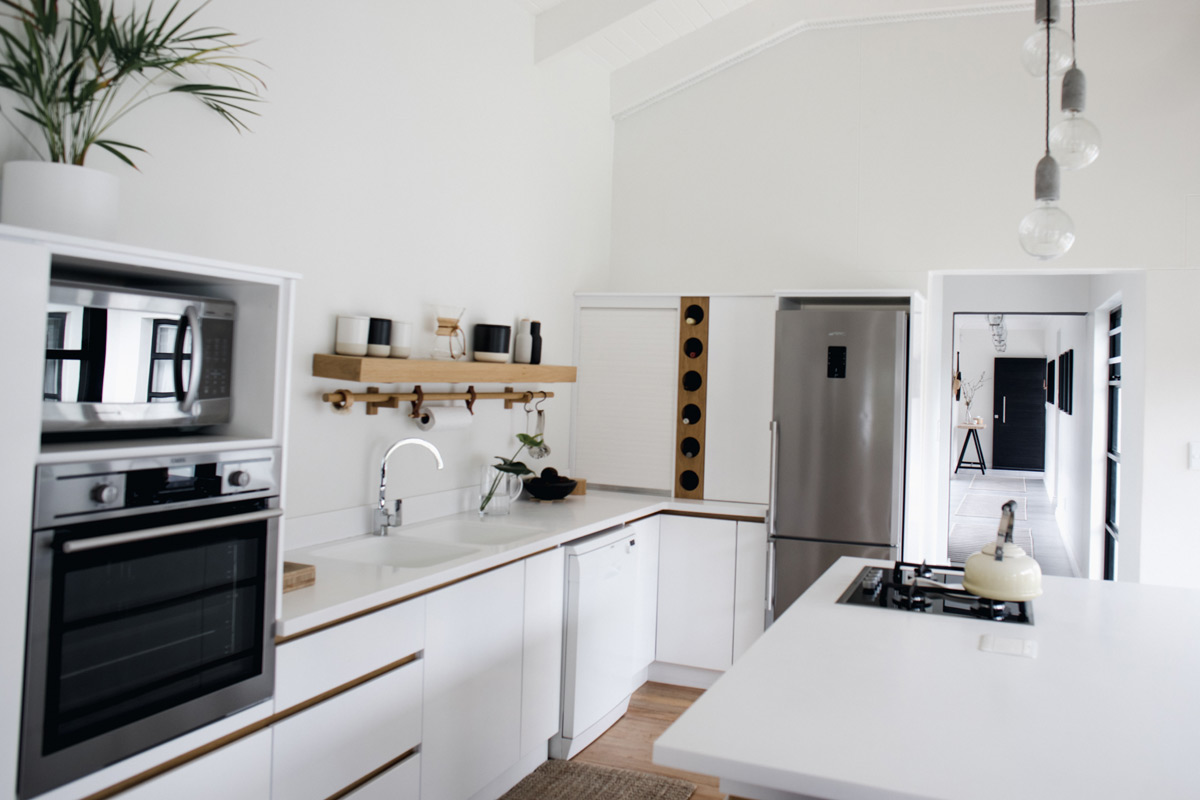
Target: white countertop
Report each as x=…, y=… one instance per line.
x=855, y=702
x=344, y=588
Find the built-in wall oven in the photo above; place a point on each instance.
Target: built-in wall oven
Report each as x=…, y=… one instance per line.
x=151, y=608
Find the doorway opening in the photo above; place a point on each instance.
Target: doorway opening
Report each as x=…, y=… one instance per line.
x=1007, y=434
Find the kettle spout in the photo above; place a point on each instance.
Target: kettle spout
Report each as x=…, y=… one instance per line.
x=1005, y=534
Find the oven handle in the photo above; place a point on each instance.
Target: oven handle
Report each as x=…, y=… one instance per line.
x=190, y=319
x=83, y=545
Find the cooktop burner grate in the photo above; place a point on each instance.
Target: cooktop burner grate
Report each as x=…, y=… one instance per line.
x=932, y=590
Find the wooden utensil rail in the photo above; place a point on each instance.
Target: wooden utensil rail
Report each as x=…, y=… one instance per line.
x=375, y=399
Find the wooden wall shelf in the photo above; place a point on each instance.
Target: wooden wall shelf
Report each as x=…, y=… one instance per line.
x=408, y=370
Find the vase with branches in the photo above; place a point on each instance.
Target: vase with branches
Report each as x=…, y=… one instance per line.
x=77, y=70
x=969, y=388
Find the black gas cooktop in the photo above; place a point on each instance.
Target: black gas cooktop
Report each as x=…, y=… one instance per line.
x=930, y=590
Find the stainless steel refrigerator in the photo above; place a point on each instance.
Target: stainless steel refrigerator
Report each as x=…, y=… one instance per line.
x=838, y=437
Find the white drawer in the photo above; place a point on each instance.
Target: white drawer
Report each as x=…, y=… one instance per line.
x=237, y=771
x=401, y=782
x=321, y=661
x=330, y=746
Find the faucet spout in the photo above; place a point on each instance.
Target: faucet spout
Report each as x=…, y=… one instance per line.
x=385, y=519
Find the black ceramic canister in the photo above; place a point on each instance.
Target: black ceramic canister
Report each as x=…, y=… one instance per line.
x=380, y=331
x=492, y=339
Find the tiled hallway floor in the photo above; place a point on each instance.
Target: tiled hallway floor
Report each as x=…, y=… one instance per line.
x=1048, y=546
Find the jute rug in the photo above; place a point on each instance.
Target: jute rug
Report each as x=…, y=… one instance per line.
x=573, y=780
x=995, y=483
x=988, y=505
x=966, y=538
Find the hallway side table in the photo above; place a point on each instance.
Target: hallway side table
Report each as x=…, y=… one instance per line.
x=972, y=436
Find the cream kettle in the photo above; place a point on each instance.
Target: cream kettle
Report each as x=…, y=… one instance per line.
x=1002, y=570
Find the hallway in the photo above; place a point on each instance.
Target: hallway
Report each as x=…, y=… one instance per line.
x=975, y=502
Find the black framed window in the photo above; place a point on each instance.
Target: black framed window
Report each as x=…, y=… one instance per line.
x=1112, y=483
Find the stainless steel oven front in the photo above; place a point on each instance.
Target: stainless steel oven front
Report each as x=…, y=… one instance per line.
x=151, y=606
x=126, y=357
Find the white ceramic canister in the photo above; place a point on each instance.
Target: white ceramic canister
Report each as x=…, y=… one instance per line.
x=351, y=339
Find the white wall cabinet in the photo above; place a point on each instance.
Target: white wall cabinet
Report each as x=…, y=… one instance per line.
x=741, y=369
x=473, y=655
x=237, y=771
x=624, y=346
x=330, y=746
x=696, y=591
x=646, y=538
x=750, y=586
x=541, y=672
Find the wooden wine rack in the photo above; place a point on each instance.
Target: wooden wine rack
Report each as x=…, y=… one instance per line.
x=693, y=388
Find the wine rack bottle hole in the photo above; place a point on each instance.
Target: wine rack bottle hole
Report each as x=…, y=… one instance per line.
x=693, y=347
x=691, y=414
x=694, y=315
x=692, y=381
x=689, y=480
x=690, y=447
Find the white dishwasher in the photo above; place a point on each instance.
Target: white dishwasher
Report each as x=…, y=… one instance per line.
x=598, y=650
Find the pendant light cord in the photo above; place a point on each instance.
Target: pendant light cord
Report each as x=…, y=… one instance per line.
x=1047, y=129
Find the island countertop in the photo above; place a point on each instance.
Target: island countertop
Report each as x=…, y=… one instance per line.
x=858, y=703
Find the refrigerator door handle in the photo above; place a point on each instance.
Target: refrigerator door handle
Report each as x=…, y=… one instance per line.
x=773, y=488
x=770, y=580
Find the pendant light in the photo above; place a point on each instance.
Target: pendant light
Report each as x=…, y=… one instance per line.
x=1054, y=41
x=1074, y=142
x=1047, y=231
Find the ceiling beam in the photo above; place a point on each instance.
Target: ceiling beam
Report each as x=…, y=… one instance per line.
x=762, y=24
x=574, y=21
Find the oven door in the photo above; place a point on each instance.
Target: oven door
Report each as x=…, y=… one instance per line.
x=141, y=629
x=126, y=359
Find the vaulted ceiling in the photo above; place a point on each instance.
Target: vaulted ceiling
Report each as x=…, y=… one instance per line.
x=654, y=48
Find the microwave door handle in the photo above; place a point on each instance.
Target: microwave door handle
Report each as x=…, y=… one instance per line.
x=98, y=542
x=190, y=319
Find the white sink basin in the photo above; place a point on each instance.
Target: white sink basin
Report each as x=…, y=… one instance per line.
x=395, y=551
x=473, y=531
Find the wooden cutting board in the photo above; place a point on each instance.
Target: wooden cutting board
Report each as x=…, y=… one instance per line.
x=297, y=576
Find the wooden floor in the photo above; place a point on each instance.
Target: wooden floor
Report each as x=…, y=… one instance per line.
x=628, y=743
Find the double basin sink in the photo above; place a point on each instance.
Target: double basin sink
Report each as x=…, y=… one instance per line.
x=426, y=545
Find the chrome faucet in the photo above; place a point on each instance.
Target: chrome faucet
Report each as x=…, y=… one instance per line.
x=384, y=519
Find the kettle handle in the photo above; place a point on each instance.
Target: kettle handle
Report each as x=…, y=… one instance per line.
x=1005, y=533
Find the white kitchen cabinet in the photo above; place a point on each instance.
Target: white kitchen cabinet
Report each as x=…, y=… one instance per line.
x=237, y=771
x=473, y=655
x=645, y=623
x=627, y=349
x=696, y=574
x=337, y=742
x=741, y=369
x=541, y=673
x=318, y=662
x=750, y=586
x=401, y=782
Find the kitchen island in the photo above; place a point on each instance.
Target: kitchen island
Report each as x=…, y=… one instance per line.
x=855, y=703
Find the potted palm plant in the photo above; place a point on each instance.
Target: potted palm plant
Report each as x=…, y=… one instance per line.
x=71, y=70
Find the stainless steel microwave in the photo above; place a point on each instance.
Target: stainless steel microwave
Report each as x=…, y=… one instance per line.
x=126, y=358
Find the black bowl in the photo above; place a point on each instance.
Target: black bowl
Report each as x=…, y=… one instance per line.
x=550, y=488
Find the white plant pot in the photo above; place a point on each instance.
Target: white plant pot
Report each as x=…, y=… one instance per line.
x=64, y=198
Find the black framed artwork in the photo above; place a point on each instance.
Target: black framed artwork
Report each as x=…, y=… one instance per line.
x=1049, y=381
x=1066, y=382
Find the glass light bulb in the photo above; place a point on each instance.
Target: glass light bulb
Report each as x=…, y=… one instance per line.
x=1047, y=231
x=1033, y=52
x=1074, y=142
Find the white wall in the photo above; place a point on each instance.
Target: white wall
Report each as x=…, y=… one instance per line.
x=890, y=155
x=407, y=154
x=1072, y=443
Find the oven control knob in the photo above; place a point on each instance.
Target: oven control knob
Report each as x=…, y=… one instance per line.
x=239, y=478
x=104, y=493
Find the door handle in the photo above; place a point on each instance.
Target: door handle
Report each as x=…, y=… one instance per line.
x=1004, y=408
x=187, y=398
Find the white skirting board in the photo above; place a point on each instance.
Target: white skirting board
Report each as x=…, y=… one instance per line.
x=679, y=675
